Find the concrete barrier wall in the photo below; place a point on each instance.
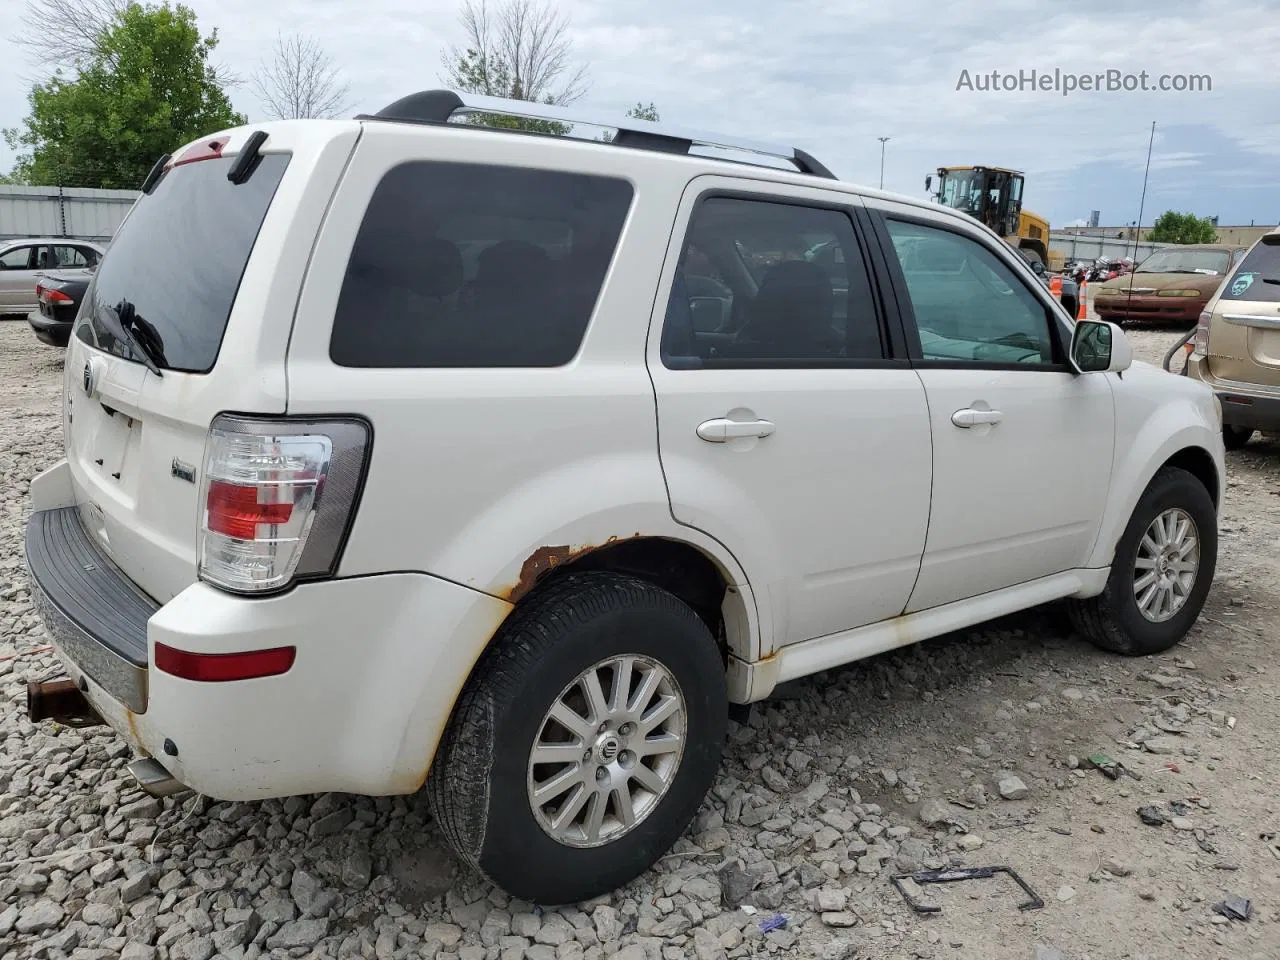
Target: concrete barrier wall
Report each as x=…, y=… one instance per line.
x=85, y=214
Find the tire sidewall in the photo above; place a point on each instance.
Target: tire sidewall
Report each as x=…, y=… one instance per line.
x=1179, y=490
x=516, y=851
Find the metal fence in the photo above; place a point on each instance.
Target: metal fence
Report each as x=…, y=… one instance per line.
x=1074, y=246
x=79, y=212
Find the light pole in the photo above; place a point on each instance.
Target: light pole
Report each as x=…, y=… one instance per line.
x=883, y=141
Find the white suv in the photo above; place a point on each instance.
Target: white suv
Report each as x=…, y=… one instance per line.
x=404, y=451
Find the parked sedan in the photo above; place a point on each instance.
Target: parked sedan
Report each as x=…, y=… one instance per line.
x=58, y=296
x=22, y=262
x=1170, y=286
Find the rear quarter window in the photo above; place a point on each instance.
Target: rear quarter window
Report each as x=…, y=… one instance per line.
x=466, y=265
x=1258, y=276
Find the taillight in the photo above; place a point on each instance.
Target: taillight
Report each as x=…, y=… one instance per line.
x=1201, y=348
x=52, y=296
x=277, y=498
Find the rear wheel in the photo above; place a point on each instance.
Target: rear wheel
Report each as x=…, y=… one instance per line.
x=1234, y=438
x=585, y=740
x=1162, y=570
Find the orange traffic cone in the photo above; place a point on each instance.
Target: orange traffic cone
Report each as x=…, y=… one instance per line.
x=1055, y=285
x=1082, y=307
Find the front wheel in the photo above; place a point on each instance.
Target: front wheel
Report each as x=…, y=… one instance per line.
x=585, y=740
x=1161, y=573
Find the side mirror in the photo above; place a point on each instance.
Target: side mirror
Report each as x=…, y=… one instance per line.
x=928, y=183
x=1038, y=267
x=1100, y=347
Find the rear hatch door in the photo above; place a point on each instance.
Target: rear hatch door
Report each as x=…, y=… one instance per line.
x=1244, y=340
x=188, y=315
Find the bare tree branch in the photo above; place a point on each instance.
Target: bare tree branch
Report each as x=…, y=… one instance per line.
x=66, y=32
x=518, y=49
x=300, y=82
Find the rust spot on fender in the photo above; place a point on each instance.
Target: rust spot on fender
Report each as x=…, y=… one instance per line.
x=131, y=719
x=545, y=559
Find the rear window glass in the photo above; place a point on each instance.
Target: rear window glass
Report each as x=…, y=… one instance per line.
x=463, y=265
x=174, y=266
x=1258, y=277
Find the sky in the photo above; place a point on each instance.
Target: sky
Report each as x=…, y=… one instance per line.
x=832, y=76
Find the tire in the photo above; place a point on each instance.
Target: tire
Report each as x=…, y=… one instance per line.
x=1235, y=438
x=481, y=783
x=1113, y=619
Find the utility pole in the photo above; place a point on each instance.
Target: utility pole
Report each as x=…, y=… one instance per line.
x=883, y=141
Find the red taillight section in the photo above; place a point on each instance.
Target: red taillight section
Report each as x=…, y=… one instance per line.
x=204, y=150
x=235, y=511
x=223, y=667
x=56, y=296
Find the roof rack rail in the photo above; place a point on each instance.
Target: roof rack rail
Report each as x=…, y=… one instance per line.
x=439, y=106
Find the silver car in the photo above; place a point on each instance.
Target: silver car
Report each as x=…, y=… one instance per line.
x=21, y=261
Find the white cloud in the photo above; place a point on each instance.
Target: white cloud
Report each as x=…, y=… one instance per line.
x=833, y=75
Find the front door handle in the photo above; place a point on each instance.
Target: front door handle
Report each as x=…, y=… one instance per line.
x=969, y=417
x=721, y=430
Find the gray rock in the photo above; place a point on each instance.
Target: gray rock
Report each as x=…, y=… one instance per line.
x=8, y=918
x=100, y=914
x=1049, y=953
x=526, y=925
x=199, y=948
x=1012, y=788
x=1161, y=745
x=701, y=889
x=707, y=946
x=40, y=916
x=138, y=951
x=774, y=780
x=839, y=919
x=1116, y=867
x=147, y=808
x=104, y=872
x=333, y=823
x=136, y=887
x=832, y=900
x=449, y=935
x=299, y=933
x=309, y=894
x=605, y=919
x=935, y=813
x=735, y=884
x=237, y=934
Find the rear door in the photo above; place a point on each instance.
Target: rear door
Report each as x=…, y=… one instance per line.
x=1244, y=342
x=797, y=434
x=206, y=272
x=18, y=277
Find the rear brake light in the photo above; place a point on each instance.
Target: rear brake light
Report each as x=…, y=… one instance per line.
x=1201, y=348
x=221, y=667
x=204, y=150
x=52, y=296
x=277, y=498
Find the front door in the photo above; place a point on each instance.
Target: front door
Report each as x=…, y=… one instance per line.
x=1022, y=445
x=791, y=432
x=18, y=278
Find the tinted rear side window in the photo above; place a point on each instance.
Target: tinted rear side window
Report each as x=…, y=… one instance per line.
x=175, y=265
x=1258, y=277
x=463, y=265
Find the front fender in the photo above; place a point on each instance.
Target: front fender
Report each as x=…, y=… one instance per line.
x=1146, y=439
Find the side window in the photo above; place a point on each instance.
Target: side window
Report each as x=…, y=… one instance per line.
x=16, y=259
x=968, y=305
x=1258, y=277
x=43, y=259
x=69, y=257
x=791, y=289
x=466, y=265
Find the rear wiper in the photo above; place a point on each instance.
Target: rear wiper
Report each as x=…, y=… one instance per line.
x=129, y=323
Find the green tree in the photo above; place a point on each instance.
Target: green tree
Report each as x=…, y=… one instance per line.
x=1174, y=227
x=146, y=87
x=639, y=112
x=517, y=50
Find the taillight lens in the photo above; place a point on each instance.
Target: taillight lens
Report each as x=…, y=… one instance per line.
x=1202, y=334
x=277, y=498
x=52, y=296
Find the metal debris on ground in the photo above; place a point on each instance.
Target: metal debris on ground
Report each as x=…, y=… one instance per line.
x=953, y=875
x=1111, y=769
x=1234, y=907
x=1152, y=815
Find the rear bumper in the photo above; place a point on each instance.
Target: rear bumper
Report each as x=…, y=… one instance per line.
x=380, y=661
x=1153, y=309
x=1243, y=405
x=56, y=333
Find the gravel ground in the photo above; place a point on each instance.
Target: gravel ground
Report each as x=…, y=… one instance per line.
x=968, y=750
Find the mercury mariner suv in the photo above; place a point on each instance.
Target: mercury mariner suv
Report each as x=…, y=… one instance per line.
x=404, y=451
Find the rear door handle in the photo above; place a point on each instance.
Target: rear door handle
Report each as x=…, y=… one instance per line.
x=969, y=417
x=721, y=430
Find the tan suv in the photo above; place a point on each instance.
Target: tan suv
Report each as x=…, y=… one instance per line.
x=1237, y=344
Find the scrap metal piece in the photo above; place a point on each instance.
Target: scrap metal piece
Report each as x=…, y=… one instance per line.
x=965, y=873
x=1234, y=907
